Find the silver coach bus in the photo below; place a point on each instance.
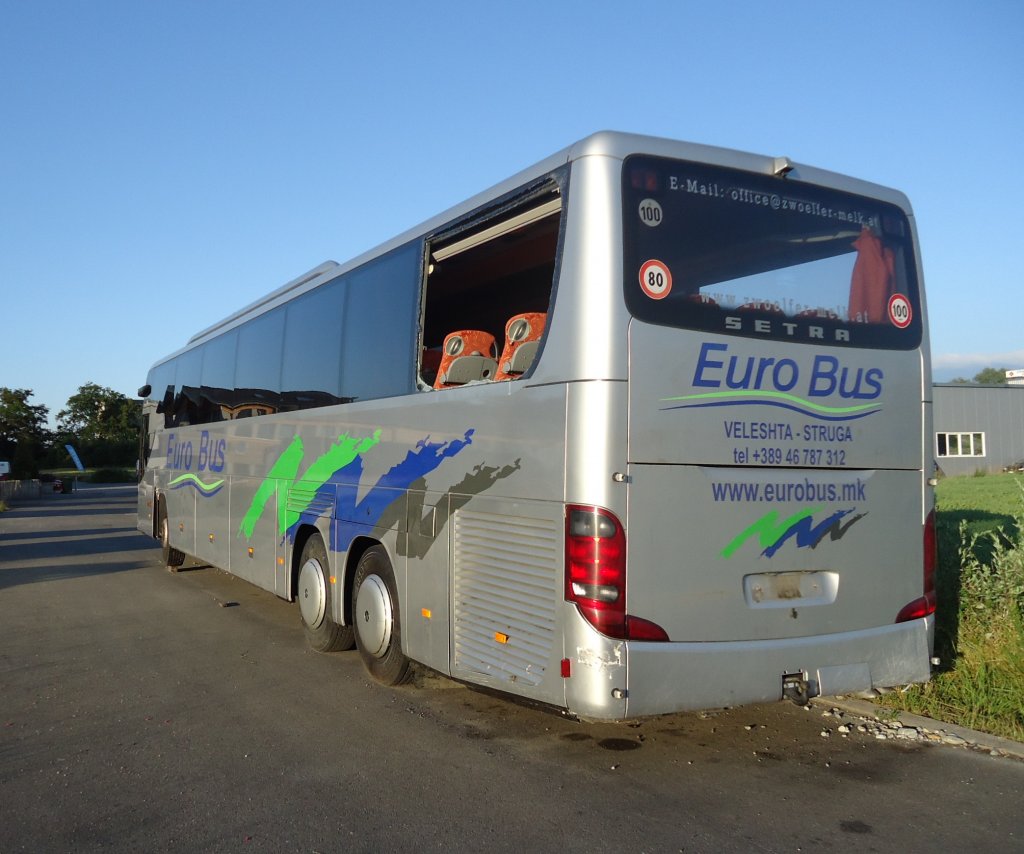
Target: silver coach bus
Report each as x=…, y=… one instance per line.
x=644, y=428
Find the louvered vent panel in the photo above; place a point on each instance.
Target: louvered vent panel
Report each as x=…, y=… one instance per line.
x=507, y=581
x=302, y=498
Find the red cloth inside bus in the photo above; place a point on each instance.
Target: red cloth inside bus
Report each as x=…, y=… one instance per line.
x=873, y=279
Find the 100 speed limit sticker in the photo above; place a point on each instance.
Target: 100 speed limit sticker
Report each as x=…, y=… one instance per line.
x=655, y=279
x=900, y=312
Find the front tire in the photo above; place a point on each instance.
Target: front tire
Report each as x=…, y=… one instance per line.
x=315, y=598
x=173, y=558
x=376, y=618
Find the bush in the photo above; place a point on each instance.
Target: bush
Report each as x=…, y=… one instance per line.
x=113, y=476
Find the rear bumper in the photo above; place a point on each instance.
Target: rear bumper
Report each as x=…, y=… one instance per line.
x=679, y=676
x=669, y=677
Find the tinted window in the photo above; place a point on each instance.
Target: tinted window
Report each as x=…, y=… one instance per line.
x=219, y=361
x=380, y=326
x=187, y=381
x=312, y=348
x=258, y=359
x=751, y=254
x=161, y=381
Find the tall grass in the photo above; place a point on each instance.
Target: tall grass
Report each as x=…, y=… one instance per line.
x=980, y=621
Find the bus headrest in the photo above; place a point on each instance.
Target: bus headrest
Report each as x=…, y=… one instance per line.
x=522, y=338
x=467, y=355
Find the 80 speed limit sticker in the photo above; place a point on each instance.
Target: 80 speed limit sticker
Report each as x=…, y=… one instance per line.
x=655, y=279
x=900, y=312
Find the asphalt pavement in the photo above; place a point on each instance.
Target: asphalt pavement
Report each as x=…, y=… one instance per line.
x=144, y=710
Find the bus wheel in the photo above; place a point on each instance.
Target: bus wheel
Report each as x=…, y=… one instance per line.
x=173, y=558
x=375, y=615
x=323, y=634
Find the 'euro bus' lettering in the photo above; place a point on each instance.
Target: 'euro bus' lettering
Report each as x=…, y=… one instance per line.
x=211, y=456
x=716, y=368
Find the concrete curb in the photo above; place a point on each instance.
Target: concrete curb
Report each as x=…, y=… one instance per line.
x=926, y=730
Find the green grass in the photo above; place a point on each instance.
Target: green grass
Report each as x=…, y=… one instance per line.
x=980, y=618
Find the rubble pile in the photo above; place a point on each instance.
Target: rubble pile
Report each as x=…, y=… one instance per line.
x=885, y=730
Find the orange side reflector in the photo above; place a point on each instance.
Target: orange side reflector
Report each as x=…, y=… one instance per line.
x=252, y=551
x=501, y=637
x=211, y=538
x=426, y=613
x=334, y=580
x=280, y=561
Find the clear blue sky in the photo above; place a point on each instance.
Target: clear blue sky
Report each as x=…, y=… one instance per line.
x=163, y=164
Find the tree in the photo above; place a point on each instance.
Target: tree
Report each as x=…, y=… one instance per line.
x=23, y=431
x=986, y=376
x=991, y=376
x=99, y=414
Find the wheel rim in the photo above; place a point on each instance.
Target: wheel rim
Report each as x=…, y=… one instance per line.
x=165, y=532
x=374, y=616
x=312, y=593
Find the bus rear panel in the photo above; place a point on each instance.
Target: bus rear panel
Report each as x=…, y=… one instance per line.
x=779, y=531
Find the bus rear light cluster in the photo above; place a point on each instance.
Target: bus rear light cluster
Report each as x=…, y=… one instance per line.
x=925, y=605
x=595, y=574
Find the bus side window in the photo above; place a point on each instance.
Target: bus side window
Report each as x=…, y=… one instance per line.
x=481, y=277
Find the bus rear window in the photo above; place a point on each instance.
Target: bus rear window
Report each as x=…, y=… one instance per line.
x=742, y=253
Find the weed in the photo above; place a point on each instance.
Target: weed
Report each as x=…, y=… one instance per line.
x=980, y=622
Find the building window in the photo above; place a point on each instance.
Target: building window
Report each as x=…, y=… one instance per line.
x=960, y=444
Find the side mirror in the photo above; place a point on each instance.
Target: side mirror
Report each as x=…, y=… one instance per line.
x=146, y=390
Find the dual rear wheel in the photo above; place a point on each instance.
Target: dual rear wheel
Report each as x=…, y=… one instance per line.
x=375, y=628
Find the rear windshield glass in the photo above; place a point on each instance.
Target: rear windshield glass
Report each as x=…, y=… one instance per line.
x=747, y=254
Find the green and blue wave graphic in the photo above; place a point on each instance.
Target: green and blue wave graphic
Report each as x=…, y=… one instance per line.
x=779, y=399
x=207, y=490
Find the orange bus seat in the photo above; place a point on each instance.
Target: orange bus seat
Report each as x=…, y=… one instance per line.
x=467, y=355
x=522, y=338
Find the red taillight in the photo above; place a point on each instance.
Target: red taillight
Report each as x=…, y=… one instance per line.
x=926, y=604
x=595, y=574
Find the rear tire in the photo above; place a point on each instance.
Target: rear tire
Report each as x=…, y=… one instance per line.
x=376, y=618
x=172, y=557
x=315, y=600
